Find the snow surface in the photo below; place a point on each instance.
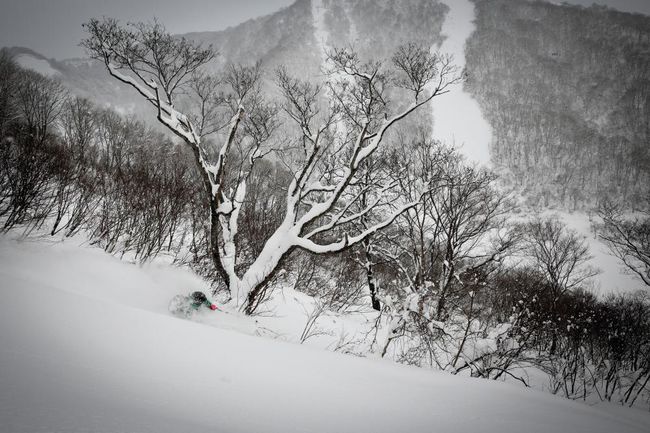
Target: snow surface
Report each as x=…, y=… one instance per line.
x=86, y=344
x=458, y=119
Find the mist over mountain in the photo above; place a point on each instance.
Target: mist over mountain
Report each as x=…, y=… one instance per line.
x=565, y=89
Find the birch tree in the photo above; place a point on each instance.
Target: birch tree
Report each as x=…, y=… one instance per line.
x=325, y=163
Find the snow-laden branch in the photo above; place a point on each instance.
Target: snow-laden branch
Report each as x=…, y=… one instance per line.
x=349, y=241
x=156, y=65
x=340, y=218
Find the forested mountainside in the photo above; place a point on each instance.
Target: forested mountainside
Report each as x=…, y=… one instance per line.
x=288, y=37
x=376, y=28
x=298, y=36
x=567, y=92
x=283, y=38
x=565, y=88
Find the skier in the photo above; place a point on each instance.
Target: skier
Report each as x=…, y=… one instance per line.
x=186, y=306
x=199, y=299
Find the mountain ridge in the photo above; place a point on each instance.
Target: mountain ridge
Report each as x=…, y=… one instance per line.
x=289, y=37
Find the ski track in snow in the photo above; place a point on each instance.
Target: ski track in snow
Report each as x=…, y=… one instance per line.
x=320, y=31
x=457, y=116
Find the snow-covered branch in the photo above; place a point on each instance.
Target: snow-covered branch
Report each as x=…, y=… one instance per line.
x=339, y=132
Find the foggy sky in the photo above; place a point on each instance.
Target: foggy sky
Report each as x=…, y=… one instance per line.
x=53, y=27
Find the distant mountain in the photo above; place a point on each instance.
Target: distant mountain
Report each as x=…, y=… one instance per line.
x=291, y=36
x=83, y=77
x=565, y=88
x=287, y=37
x=30, y=59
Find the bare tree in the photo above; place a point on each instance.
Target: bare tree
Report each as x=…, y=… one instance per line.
x=458, y=229
x=468, y=214
x=9, y=72
x=318, y=199
x=159, y=66
x=442, y=253
x=25, y=166
x=559, y=254
x=40, y=103
x=78, y=124
x=627, y=238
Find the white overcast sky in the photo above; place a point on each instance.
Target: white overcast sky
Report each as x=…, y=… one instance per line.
x=53, y=27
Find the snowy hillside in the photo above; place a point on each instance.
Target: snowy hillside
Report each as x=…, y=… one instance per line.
x=422, y=232
x=584, y=143
x=86, y=344
x=41, y=66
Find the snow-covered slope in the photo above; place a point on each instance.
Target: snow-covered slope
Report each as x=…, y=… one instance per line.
x=458, y=119
x=86, y=345
x=41, y=66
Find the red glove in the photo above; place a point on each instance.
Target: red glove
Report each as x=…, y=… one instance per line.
x=213, y=307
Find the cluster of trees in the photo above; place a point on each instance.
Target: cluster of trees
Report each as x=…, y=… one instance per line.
x=521, y=302
x=327, y=189
x=329, y=134
x=566, y=91
x=69, y=166
x=589, y=347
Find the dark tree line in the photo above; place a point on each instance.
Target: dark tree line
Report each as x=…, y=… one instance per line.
x=567, y=92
